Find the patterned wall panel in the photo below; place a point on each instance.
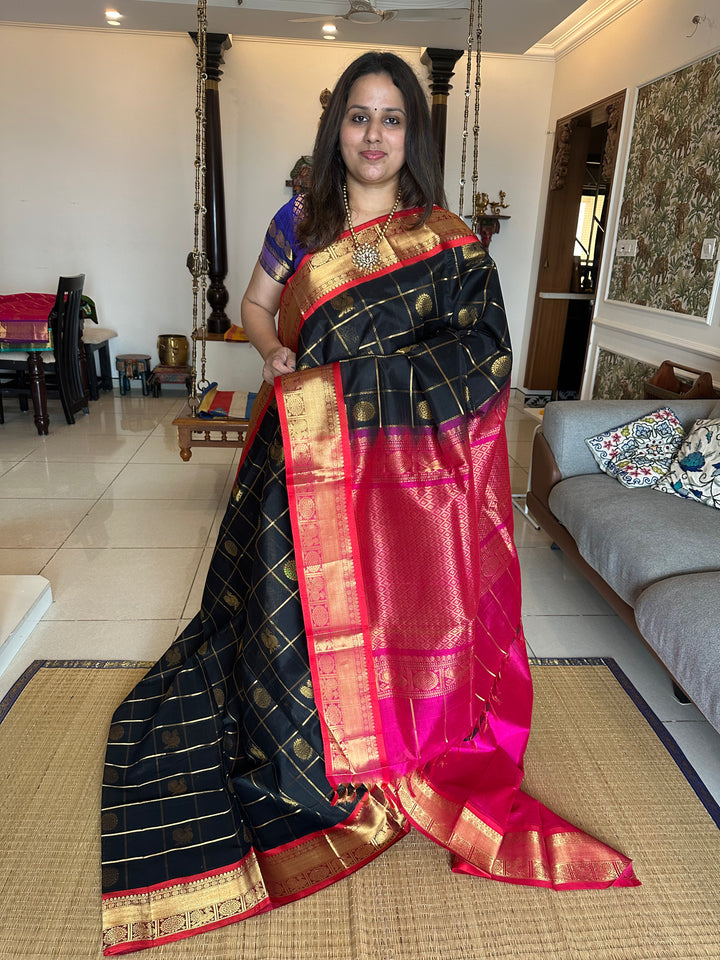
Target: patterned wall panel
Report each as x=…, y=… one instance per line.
x=620, y=378
x=671, y=199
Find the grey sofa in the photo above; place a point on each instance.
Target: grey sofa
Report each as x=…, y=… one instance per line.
x=654, y=557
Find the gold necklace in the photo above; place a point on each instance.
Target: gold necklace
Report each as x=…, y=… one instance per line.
x=366, y=256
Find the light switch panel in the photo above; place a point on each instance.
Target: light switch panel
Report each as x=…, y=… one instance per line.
x=626, y=248
x=709, y=246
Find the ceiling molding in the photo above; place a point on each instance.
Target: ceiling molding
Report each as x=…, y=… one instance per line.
x=577, y=29
x=236, y=37
x=355, y=45
x=103, y=31
x=538, y=52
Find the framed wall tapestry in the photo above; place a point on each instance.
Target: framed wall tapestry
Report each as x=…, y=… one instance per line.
x=671, y=195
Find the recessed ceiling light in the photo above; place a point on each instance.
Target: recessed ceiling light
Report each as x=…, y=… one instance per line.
x=329, y=36
x=329, y=28
x=113, y=23
x=112, y=15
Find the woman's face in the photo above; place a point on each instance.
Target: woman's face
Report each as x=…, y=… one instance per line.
x=372, y=134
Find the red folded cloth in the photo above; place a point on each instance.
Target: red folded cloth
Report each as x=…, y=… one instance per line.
x=24, y=317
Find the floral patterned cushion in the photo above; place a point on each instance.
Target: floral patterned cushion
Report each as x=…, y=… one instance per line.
x=695, y=470
x=639, y=453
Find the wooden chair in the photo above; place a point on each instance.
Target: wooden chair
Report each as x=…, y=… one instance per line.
x=63, y=375
x=96, y=340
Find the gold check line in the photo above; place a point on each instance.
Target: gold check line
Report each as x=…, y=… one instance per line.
x=414, y=727
x=161, y=726
x=431, y=354
x=484, y=667
x=165, y=853
x=167, y=753
x=411, y=388
x=512, y=576
x=167, y=826
x=291, y=597
x=301, y=701
x=170, y=796
x=512, y=626
x=146, y=783
x=284, y=750
x=378, y=399
x=492, y=638
x=337, y=330
x=184, y=696
x=283, y=817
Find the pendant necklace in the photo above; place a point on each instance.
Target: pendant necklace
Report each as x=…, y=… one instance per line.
x=366, y=256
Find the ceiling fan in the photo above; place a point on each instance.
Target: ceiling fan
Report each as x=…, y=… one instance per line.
x=365, y=11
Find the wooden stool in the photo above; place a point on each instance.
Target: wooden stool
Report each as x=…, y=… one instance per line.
x=164, y=373
x=96, y=340
x=132, y=366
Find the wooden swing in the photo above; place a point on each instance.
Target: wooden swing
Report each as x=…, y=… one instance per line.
x=193, y=429
x=202, y=431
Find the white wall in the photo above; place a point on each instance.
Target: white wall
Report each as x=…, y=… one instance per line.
x=514, y=105
x=96, y=170
x=94, y=173
x=648, y=41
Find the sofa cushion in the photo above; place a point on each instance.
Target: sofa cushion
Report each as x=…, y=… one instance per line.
x=566, y=423
x=695, y=470
x=679, y=619
x=640, y=452
x=633, y=538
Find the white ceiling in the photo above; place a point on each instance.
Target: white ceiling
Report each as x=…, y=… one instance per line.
x=509, y=26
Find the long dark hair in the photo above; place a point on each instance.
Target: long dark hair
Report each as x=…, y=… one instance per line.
x=421, y=182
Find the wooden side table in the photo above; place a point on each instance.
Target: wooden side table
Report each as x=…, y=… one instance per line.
x=164, y=373
x=133, y=366
x=199, y=432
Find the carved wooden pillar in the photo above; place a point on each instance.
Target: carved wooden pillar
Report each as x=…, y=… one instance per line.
x=614, y=114
x=440, y=63
x=215, y=232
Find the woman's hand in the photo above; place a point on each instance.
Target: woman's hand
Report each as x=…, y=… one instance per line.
x=258, y=309
x=279, y=361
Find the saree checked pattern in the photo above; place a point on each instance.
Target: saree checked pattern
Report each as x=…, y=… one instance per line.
x=358, y=665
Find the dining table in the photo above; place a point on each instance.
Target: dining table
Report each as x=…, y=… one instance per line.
x=25, y=327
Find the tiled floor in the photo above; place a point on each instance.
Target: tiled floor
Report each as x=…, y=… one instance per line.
x=107, y=511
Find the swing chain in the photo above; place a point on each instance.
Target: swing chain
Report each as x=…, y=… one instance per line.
x=198, y=261
x=473, y=42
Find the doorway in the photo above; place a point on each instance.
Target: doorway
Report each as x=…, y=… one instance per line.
x=581, y=179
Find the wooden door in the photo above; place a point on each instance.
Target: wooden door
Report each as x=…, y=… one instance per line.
x=573, y=138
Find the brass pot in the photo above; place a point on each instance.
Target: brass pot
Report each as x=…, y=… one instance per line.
x=173, y=349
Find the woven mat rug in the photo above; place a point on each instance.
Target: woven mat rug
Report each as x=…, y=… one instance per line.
x=594, y=756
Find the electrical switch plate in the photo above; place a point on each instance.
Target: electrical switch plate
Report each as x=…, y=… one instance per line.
x=626, y=248
x=709, y=245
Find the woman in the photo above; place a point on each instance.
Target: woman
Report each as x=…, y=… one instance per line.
x=358, y=664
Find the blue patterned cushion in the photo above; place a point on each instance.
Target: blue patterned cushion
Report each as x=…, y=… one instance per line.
x=695, y=471
x=639, y=453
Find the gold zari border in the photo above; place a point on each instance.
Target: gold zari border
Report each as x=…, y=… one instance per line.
x=332, y=269
x=260, y=881
x=523, y=856
x=330, y=580
x=449, y=823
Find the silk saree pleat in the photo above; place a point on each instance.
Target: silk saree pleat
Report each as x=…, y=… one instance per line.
x=400, y=503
